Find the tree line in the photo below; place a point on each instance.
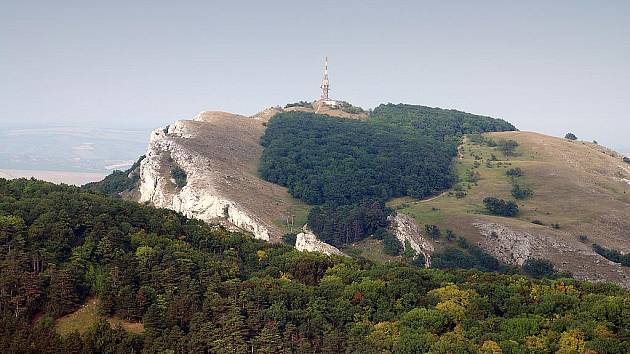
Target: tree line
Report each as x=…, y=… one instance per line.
x=199, y=288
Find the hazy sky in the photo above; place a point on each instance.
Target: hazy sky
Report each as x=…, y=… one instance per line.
x=549, y=66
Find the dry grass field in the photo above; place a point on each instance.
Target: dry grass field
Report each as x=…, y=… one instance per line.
x=582, y=187
x=87, y=315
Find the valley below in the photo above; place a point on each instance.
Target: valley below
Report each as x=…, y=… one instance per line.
x=67, y=177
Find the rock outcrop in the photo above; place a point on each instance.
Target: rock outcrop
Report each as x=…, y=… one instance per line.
x=308, y=241
x=218, y=152
x=514, y=246
x=408, y=232
x=199, y=198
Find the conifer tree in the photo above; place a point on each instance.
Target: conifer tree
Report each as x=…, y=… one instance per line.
x=229, y=336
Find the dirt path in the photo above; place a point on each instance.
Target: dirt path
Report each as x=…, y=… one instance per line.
x=432, y=198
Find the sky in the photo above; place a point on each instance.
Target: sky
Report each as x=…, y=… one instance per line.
x=547, y=66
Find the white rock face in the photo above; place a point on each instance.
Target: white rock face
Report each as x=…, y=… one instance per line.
x=307, y=241
x=511, y=247
x=199, y=198
x=514, y=247
x=405, y=229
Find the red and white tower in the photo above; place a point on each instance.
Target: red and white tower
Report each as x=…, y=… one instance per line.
x=325, y=85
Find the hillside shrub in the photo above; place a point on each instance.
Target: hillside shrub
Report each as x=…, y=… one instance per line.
x=349, y=108
x=391, y=245
x=289, y=238
x=514, y=172
x=480, y=139
x=470, y=257
x=570, y=136
x=450, y=235
x=473, y=176
x=508, y=147
x=179, y=176
x=299, y=104
x=612, y=255
x=339, y=225
x=500, y=207
x=433, y=231
x=118, y=181
x=520, y=192
x=538, y=268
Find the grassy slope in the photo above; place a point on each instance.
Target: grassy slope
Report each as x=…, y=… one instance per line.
x=87, y=315
x=299, y=210
x=371, y=249
x=576, y=184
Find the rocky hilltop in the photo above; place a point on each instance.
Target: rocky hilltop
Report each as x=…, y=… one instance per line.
x=206, y=167
x=218, y=153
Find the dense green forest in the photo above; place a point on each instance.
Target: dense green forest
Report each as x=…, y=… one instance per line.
x=348, y=223
x=401, y=150
x=447, y=125
x=199, y=288
x=118, y=181
x=343, y=161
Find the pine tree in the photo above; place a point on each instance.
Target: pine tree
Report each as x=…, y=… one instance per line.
x=153, y=321
x=229, y=337
x=269, y=341
x=62, y=294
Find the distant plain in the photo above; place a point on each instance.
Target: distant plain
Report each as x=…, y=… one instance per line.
x=71, y=155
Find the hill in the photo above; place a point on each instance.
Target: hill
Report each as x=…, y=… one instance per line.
x=201, y=288
x=214, y=168
x=350, y=167
x=581, y=196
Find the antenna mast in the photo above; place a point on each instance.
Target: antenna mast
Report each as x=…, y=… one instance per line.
x=325, y=85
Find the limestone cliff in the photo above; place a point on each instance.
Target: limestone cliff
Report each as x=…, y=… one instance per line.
x=206, y=168
x=218, y=153
x=408, y=232
x=307, y=241
x=514, y=246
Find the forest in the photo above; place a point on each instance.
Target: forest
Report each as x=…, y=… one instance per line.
x=447, y=125
x=342, y=161
x=199, y=288
x=338, y=164
x=117, y=182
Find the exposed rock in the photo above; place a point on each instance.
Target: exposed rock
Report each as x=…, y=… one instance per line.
x=511, y=247
x=205, y=195
x=307, y=241
x=405, y=229
x=219, y=153
x=624, y=180
x=514, y=247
